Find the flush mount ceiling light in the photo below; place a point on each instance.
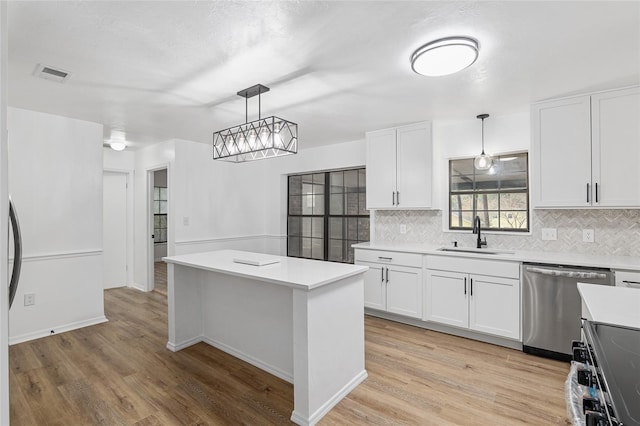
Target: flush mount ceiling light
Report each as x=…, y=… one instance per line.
x=445, y=56
x=483, y=161
x=117, y=141
x=255, y=140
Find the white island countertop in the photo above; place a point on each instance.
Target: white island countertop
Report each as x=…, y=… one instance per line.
x=288, y=271
x=611, y=304
x=631, y=263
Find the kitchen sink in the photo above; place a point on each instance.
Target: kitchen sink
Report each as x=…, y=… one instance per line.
x=474, y=250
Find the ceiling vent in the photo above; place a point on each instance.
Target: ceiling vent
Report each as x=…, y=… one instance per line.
x=50, y=73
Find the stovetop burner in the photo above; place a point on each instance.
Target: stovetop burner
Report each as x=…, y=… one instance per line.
x=617, y=350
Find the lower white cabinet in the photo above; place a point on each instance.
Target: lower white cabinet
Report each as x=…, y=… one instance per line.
x=391, y=286
x=457, y=296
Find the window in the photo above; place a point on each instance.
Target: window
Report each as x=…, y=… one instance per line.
x=159, y=214
x=499, y=196
x=327, y=214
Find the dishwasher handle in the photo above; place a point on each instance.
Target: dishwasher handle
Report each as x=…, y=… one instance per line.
x=568, y=274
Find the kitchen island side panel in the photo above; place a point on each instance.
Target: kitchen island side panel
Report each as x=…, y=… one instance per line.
x=328, y=346
x=184, y=297
x=252, y=320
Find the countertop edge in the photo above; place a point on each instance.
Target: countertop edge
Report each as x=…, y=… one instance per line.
x=628, y=263
x=359, y=269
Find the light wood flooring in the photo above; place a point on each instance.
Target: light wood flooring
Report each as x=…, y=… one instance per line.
x=160, y=277
x=120, y=373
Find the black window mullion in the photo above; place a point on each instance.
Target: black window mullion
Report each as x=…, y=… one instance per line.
x=327, y=198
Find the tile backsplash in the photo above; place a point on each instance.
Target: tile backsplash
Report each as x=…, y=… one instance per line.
x=617, y=232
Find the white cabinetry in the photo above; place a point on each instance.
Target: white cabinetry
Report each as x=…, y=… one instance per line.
x=393, y=282
x=399, y=163
x=480, y=295
x=628, y=279
x=585, y=150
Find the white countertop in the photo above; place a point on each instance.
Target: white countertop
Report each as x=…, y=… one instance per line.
x=611, y=304
x=630, y=263
x=289, y=271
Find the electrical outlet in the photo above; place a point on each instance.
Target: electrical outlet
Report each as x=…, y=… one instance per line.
x=403, y=229
x=29, y=299
x=549, y=234
x=185, y=220
x=588, y=236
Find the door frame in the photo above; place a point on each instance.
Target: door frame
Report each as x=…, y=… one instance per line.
x=130, y=220
x=149, y=222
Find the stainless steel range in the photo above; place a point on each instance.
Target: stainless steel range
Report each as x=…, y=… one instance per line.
x=608, y=370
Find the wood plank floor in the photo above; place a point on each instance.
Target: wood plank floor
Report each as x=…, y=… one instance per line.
x=119, y=373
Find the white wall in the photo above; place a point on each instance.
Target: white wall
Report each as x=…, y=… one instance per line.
x=55, y=179
x=158, y=156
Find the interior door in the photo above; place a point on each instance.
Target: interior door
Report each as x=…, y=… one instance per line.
x=4, y=228
x=114, y=230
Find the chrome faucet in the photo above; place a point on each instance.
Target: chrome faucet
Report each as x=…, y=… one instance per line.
x=476, y=230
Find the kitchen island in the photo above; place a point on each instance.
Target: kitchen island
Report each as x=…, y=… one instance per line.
x=300, y=320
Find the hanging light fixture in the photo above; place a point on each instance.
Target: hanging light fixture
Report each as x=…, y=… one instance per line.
x=483, y=161
x=258, y=139
x=117, y=140
x=444, y=56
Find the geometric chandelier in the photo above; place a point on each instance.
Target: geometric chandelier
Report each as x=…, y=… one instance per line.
x=255, y=140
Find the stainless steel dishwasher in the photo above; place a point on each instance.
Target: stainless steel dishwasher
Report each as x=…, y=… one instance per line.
x=552, y=306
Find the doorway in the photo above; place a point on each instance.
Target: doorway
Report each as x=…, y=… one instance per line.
x=159, y=197
x=115, y=230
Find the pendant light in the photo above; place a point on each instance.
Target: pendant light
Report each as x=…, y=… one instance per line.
x=258, y=139
x=483, y=161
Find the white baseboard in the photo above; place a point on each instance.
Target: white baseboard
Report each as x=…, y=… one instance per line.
x=56, y=330
x=251, y=360
x=173, y=347
x=137, y=286
x=330, y=403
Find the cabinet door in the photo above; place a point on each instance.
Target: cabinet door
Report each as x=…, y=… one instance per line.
x=616, y=148
x=561, y=153
x=494, y=305
x=446, y=298
x=374, y=286
x=404, y=291
x=414, y=165
x=381, y=169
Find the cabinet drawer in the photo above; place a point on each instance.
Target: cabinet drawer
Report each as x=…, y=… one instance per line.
x=628, y=279
x=389, y=257
x=495, y=268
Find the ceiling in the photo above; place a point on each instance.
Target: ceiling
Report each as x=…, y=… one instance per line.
x=164, y=70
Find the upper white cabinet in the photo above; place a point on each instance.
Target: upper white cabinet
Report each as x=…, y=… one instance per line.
x=586, y=150
x=399, y=164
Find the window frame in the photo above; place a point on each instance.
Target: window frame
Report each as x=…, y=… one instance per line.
x=155, y=229
x=326, y=215
x=498, y=192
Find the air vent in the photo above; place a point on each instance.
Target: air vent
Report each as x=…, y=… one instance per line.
x=50, y=73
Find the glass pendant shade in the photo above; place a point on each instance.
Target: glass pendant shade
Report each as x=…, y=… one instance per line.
x=483, y=161
x=117, y=146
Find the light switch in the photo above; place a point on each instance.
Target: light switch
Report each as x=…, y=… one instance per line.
x=185, y=220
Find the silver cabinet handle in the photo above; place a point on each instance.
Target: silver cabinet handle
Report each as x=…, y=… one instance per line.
x=387, y=274
x=17, y=252
x=385, y=258
x=398, y=198
x=465, y=285
x=568, y=274
x=596, y=192
x=471, y=292
x=393, y=198
x=381, y=274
